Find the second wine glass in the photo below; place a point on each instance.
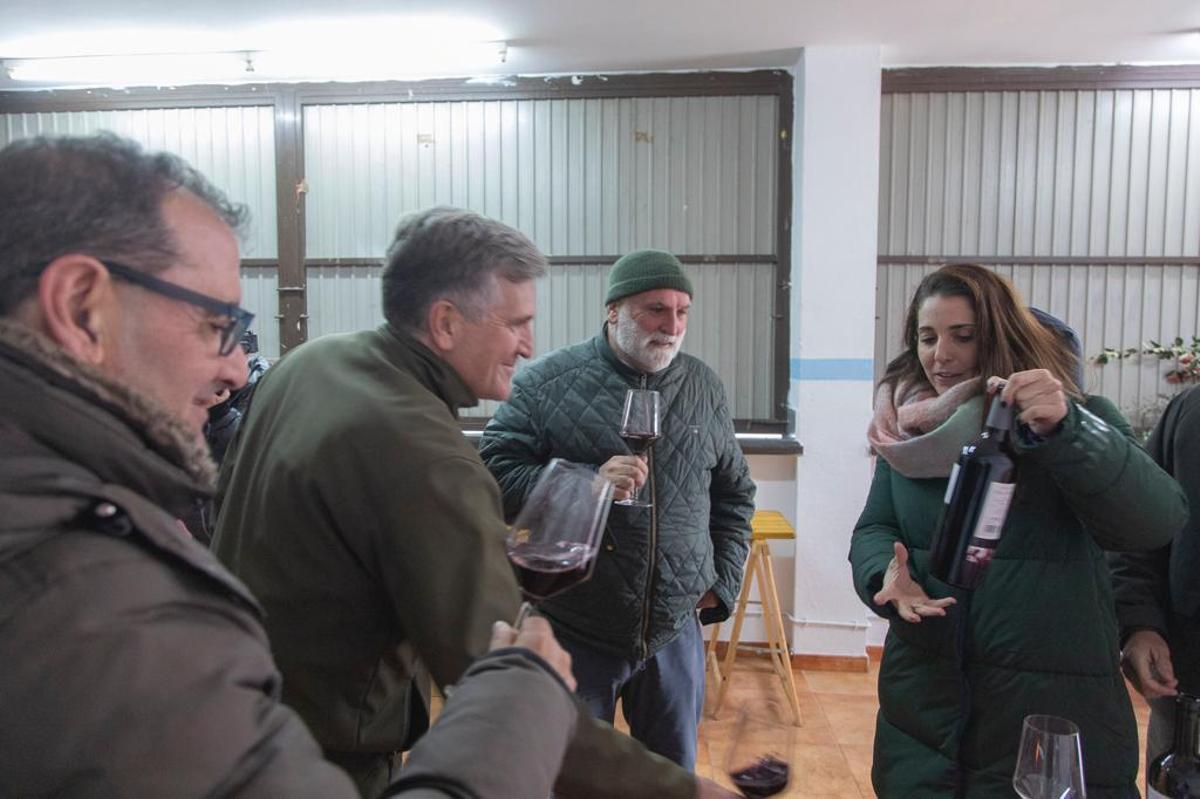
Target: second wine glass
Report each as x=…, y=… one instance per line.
x=1050, y=761
x=640, y=422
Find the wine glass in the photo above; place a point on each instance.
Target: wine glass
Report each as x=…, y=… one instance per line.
x=759, y=760
x=640, y=428
x=553, y=541
x=1050, y=762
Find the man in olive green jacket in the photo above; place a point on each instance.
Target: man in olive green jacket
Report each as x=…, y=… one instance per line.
x=134, y=665
x=356, y=510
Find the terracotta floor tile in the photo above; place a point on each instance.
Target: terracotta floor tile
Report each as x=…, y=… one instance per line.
x=852, y=718
x=821, y=771
x=858, y=756
x=841, y=682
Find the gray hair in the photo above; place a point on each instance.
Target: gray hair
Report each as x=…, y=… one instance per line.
x=449, y=253
x=98, y=195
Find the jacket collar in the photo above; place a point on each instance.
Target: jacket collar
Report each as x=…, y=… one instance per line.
x=427, y=367
x=71, y=437
x=91, y=420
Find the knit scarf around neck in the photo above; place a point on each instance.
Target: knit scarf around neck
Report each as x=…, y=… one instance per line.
x=920, y=433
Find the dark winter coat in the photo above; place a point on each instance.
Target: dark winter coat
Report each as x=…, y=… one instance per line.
x=1043, y=633
x=655, y=563
x=358, y=513
x=1160, y=590
x=131, y=663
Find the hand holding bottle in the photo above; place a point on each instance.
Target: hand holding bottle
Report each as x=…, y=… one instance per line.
x=1038, y=397
x=1146, y=661
x=905, y=593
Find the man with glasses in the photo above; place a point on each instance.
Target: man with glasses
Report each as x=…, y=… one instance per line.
x=131, y=663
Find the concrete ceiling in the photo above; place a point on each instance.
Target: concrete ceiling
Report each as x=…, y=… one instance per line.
x=554, y=36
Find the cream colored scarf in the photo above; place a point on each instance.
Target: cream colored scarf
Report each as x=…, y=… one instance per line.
x=921, y=433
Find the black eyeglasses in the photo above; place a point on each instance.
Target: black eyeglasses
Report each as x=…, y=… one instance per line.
x=231, y=332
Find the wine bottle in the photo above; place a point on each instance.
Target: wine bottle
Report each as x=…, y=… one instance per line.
x=1176, y=774
x=976, y=503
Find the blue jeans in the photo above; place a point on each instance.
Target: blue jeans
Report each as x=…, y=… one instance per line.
x=662, y=697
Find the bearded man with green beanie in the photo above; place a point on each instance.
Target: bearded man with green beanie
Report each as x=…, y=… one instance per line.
x=633, y=630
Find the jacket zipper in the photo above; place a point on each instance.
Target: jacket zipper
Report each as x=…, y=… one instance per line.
x=653, y=554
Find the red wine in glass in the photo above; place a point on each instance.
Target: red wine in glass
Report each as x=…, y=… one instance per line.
x=639, y=443
x=766, y=777
x=640, y=426
x=546, y=569
x=553, y=540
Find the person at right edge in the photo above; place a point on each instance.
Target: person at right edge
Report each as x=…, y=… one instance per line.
x=1040, y=632
x=1158, y=592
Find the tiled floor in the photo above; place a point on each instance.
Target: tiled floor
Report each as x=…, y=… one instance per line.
x=832, y=750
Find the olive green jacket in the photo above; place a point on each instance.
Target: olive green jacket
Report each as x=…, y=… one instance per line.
x=131, y=663
x=366, y=524
x=1042, y=626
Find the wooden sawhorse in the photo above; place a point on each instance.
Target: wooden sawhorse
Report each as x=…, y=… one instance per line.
x=766, y=525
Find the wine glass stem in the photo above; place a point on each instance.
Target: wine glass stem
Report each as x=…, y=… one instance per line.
x=526, y=607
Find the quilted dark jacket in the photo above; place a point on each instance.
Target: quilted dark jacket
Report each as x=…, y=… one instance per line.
x=1043, y=632
x=655, y=563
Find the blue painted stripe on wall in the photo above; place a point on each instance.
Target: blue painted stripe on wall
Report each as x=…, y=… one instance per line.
x=832, y=369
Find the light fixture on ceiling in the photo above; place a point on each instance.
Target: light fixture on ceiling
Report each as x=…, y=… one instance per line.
x=128, y=70
x=297, y=50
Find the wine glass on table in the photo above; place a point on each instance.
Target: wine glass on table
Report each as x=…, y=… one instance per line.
x=640, y=428
x=760, y=756
x=1050, y=761
x=553, y=541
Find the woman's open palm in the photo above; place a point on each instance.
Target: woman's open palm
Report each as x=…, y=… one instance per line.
x=905, y=593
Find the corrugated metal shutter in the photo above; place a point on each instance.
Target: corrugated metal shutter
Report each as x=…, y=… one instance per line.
x=589, y=178
x=1037, y=175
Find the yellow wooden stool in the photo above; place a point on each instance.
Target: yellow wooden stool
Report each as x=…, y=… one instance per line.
x=766, y=525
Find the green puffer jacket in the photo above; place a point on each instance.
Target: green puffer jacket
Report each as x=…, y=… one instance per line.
x=1042, y=626
x=655, y=563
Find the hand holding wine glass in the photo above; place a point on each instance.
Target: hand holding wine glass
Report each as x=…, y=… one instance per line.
x=535, y=635
x=627, y=473
x=1050, y=761
x=640, y=421
x=553, y=541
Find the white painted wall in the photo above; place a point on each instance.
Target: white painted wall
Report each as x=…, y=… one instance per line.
x=835, y=208
x=836, y=191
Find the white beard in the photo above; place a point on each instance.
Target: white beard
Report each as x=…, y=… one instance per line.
x=645, y=350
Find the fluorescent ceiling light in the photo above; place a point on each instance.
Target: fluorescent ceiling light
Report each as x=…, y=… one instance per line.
x=130, y=70
x=341, y=48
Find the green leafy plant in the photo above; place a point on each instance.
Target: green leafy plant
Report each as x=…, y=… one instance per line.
x=1186, y=358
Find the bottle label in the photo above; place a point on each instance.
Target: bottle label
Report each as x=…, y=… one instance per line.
x=950, y=485
x=994, y=512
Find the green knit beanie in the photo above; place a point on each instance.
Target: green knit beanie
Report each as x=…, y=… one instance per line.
x=645, y=270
